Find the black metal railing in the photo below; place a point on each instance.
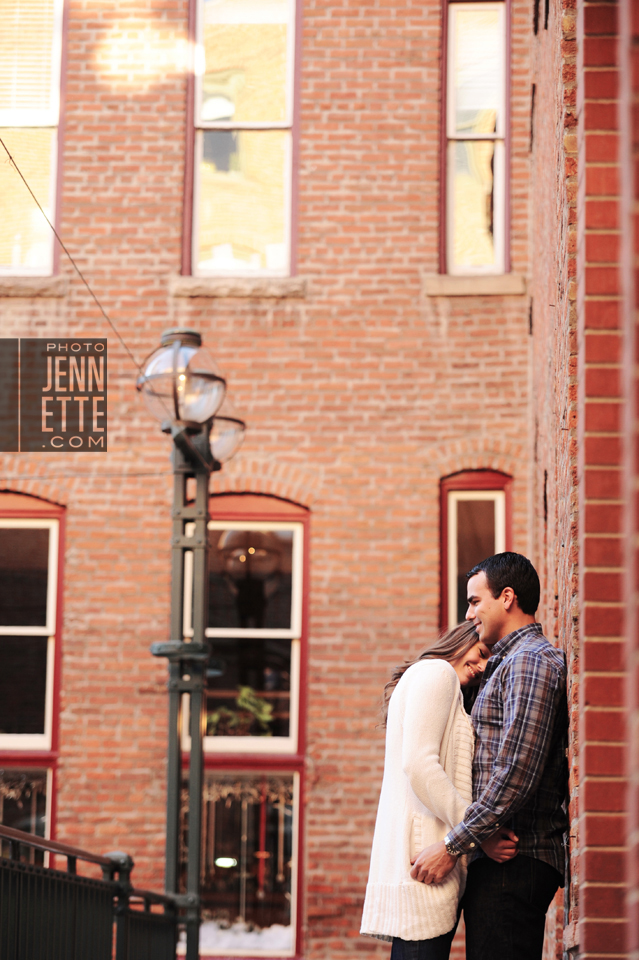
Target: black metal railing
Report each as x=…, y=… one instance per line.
x=51, y=914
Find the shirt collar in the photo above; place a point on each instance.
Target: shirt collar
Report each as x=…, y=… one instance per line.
x=507, y=644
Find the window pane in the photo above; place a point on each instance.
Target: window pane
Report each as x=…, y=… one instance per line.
x=23, y=678
x=477, y=70
x=250, y=580
x=23, y=806
x=27, y=70
x=25, y=237
x=475, y=542
x=472, y=184
x=24, y=561
x=248, y=689
x=243, y=201
x=247, y=863
x=245, y=44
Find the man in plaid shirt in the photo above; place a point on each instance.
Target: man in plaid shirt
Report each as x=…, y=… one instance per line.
x=519, y=771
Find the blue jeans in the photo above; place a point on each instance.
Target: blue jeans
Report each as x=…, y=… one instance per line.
x=438, y=948
x=505, y=908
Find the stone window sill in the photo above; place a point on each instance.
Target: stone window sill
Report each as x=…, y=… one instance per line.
x=34, y=286
x=447, y=285
x=264, y=287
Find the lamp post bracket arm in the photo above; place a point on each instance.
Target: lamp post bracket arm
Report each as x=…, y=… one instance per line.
x=177, y=650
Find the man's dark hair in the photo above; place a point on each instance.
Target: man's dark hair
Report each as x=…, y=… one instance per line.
x=511, y=570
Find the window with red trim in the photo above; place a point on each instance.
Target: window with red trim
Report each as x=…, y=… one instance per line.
x=30, y=590
x=243, y=108
x=475, y=523
x=475, y=122
x=255, y=733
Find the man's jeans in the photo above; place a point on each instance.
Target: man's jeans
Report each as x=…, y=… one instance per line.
x=436, y=949
x=505, y=908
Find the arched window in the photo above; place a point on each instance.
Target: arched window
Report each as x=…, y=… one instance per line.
x=254, y=744
x=475, y=523
x=31, y=545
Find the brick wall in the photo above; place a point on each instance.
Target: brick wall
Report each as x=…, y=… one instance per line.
x=554, y=383
x=359, y=396
x=581, y=420
x=602, y=730
x=629, y=155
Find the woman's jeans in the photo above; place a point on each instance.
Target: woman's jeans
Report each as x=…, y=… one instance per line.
x=505, y=908
x=436, y=949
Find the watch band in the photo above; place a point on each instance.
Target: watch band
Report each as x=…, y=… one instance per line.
x=451, y=848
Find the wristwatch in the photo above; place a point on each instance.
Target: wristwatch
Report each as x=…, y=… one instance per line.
x=451, y=848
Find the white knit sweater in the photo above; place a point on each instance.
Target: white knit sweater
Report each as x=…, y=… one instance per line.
x=426, y=788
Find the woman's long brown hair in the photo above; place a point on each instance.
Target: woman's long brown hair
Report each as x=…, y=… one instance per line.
x=449, y=646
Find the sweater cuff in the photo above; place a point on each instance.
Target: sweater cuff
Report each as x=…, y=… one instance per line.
x=462, y=839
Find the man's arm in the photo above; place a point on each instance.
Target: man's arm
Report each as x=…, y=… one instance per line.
x=434, y=863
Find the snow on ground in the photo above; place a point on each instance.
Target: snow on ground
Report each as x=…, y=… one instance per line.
x=215, y=939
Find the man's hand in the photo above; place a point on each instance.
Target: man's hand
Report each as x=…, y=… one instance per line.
x=433, y=864
x=502, y=846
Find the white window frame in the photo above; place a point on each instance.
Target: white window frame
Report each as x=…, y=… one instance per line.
x=254, y=745
x=295, y=630
x=454, y=497
x=205, y=954
x=49, y=118
x=202, y=126
x=499, y=139
x=38, y=741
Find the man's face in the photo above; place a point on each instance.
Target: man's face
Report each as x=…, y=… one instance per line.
x=487, y=612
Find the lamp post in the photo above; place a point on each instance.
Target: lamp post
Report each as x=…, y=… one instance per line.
x=185, y=391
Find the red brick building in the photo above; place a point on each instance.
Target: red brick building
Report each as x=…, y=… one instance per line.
x=405, y=233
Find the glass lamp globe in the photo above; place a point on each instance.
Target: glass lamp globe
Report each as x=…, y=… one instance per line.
x=227, y=434
x=181, y=380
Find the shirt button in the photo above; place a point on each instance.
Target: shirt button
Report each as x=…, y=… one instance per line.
x=496, y=824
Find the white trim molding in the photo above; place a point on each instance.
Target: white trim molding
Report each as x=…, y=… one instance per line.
x=499, y=285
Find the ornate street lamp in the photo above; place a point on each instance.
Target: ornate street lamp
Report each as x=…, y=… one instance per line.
x=185, y=391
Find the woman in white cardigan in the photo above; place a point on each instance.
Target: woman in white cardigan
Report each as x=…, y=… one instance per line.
x=426, y=788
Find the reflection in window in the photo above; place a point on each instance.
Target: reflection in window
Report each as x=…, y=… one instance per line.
x=476, y=50
x=476, y=129
x=25, y=237
x=476, y=530
x=23, y=675
x=29, y=112
x=23, y=806
x=473, y=201
x=242, y=207
x=250, y=583
x=249, y=688
x=28, y=581
x=246, y=45
x=242, y=210
x=247, y=864
x=475, y=542
x=24, y=562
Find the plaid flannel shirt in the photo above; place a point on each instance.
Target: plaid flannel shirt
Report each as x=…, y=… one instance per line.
x=520, y=770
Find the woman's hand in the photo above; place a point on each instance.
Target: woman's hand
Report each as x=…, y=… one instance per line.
x=433, y=864
x=502, y=846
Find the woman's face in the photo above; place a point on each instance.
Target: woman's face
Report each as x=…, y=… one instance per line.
x=470, y=666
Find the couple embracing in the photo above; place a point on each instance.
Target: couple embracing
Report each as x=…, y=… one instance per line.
x=472, y=810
